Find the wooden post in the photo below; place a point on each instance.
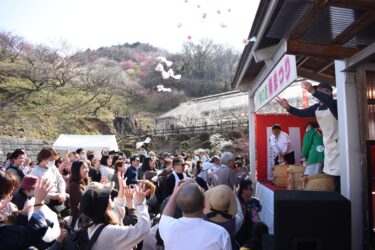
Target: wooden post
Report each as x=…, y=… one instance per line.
x=361, y=87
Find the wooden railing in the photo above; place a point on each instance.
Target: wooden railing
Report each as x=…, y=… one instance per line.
x=218, y=128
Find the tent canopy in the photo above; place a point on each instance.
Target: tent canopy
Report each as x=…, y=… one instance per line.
x=87, y=142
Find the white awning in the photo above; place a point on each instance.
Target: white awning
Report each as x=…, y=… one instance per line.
x=87, y=142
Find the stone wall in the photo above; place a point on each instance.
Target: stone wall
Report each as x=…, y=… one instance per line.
x=32, y=147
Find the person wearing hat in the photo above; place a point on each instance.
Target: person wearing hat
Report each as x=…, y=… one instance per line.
x=312, y=149
x=96, y=204
x=225, y=174
x=325, y=111
x=223, y=208
x=25, y=191
x=190, y=231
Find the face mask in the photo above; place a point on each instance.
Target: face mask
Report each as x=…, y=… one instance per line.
x=50, y=164
x=314, y=99
x=83, y=157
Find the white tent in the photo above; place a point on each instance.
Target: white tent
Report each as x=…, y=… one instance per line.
x=87, y=142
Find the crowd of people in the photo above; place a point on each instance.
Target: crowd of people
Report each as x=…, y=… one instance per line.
x=107, y=200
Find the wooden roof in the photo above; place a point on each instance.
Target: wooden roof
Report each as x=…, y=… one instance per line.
x=316, y=31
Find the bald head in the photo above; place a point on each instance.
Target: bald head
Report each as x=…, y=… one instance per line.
x=190, y=199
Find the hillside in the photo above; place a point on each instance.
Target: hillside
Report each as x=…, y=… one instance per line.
x=47, y=91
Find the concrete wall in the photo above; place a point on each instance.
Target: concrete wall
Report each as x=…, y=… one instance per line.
x=32, y=147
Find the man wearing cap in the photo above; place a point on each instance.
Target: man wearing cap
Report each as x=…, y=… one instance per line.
x=326, y=113
x=25, y=192
x=225, y=174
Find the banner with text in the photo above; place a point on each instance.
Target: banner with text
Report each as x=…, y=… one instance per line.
x=279, y=79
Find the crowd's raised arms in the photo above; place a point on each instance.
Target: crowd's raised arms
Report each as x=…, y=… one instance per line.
x=91, y=200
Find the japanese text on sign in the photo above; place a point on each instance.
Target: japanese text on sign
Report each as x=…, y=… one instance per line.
x=280, y=77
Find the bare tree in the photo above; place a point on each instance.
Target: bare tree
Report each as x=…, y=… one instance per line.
x=10, y=46
x=103, y=80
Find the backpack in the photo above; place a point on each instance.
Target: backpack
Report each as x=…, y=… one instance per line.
x=79, y=240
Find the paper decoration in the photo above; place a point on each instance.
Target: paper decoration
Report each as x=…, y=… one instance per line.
x=159, y=67
x=161, y=88
x=164, y=75
x=177, y=77
x=138, y=145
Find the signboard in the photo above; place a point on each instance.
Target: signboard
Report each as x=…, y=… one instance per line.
x=280, y=77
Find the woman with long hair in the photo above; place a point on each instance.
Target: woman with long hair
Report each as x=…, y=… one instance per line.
x=96, y=204
x=148, y=169
x=105, y=169
x=78, y=181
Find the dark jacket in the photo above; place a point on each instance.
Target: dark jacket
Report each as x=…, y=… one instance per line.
x=95, y=175
x=23, y=233
x=75, y=192
x=131, y=175
x=19, y=198
x=329, y=103
x=16, y=171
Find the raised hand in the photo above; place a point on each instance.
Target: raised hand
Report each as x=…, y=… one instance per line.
x=308, y=87
x=43, y=186
x=283, y=103
x=140, y=193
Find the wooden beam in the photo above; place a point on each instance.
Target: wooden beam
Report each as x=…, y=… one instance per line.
x=302, y=26
x=333, y=51
x=326, y=67
x=299, y=64
x=354, y=4
x=361, y=57
x=313, y=75
x=361, y=23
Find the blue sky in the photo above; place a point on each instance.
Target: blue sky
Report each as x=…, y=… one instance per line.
x=95, y=23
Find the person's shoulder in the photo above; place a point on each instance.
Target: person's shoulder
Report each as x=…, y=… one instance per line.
x=11, y=169
x=36, y=171
x=167, y=221
x=214, y=227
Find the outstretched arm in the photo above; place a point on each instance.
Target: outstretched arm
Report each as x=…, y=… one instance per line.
x=308, y=112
